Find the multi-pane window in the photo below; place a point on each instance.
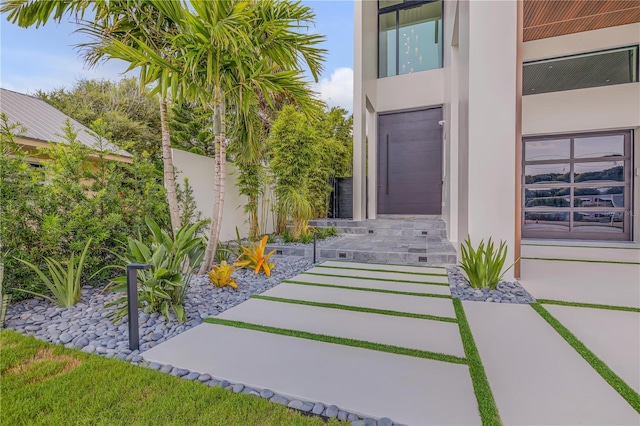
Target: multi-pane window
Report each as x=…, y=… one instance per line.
x=409, y=36
x=578, y=186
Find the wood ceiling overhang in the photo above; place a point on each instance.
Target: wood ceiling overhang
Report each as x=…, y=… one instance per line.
x=551, y=18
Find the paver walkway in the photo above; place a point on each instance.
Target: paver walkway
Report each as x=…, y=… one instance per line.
x=387, y=341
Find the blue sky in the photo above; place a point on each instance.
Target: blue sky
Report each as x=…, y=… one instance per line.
x=45, y=58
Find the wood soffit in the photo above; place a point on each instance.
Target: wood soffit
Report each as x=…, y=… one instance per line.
x=551, y=18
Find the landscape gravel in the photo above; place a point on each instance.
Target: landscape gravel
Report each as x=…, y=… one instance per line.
x=505, y=292
x=86, y=326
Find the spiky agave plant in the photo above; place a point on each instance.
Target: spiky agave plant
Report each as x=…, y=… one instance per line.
x=483, y=265
x=63, y=283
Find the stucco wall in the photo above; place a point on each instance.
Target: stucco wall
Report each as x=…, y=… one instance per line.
x=200, y=170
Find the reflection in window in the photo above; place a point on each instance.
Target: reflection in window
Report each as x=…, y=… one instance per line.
x=410, y=37
x=387, y=45
x=598, y=221
x=578, y=186
x=594, y=172
x=547, y=173
x=547, y=197
x=548, y=150
x=599, y=197
x=546, y=221
x=599, y=146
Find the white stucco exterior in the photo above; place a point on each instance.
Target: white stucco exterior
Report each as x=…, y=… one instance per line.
x=477, y=89
x=200, y=171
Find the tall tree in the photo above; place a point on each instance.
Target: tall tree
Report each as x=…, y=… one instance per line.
x=131, y=115
x=223, y=54
x=135, y=24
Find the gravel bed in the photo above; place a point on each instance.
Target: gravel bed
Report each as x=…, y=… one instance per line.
x=85, y=326
x=505, y=292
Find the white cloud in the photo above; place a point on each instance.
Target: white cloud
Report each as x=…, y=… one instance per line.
x=337, y=90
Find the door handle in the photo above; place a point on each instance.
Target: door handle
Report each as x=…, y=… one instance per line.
x=387, y=157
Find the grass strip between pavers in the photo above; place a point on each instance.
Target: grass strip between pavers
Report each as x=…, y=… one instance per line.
x=375, y=279
x=615, y=262
x=486, y=403
x=383, y=270
x=588, y=305
x=355, y=308
x=625, y=391
x=380, y=347
x=375, y=290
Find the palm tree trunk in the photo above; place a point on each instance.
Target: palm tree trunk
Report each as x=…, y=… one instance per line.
x=218, y=186
x=169, y=172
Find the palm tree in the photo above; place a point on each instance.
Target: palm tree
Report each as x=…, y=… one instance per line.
x=221, y=54
x=121, y=20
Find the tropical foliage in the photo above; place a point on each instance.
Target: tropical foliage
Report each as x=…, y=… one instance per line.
x=163, y=287
x=253, y=257
x=221, y=275
x=130, y=114
x=484, y=264
x=85, y=197
x=64, y=284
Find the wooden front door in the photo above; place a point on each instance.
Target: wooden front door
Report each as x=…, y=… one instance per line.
x=410, y=162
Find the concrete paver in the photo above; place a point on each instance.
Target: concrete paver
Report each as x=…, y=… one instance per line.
x=392, y=302
x=536, y=377
x=380, y=285
x=614, y=336
x=391, y=276
x=427, y=335
x=600, y=283
x=412, y=391
x=388, y=267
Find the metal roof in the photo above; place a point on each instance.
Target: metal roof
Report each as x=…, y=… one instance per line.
x=44, y=122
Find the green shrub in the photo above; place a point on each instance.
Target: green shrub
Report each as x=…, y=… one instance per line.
x=163, y=287
x=85, y=196
x=327, y=232
x=484, y=265
x=65, y=284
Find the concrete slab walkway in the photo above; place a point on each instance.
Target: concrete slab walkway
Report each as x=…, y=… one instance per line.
x=614, y=336
x=411, y=390
x=536, y=377
x=387, y=341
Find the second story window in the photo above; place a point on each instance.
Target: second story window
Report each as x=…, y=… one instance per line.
x=409, y=36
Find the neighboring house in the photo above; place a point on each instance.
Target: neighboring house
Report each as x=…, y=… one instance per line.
x=44, y=124
x=499, y=116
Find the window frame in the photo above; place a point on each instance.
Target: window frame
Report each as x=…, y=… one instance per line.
x=406, y=4
x=627, y=184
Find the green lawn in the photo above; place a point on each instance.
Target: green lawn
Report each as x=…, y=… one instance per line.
x=45, y=384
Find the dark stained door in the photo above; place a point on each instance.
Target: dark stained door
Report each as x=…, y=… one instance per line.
x=410, y=162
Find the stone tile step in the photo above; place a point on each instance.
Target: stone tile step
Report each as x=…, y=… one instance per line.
x=412, y=333
x=391, y=232
x=536, y=377
x=409, y=390
x=600, y=283
x=390, y=276
x=385, y=267
x=380, y=224
x=614, y=336
x=376, y=285
x=391, y=302
x=401, y=258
